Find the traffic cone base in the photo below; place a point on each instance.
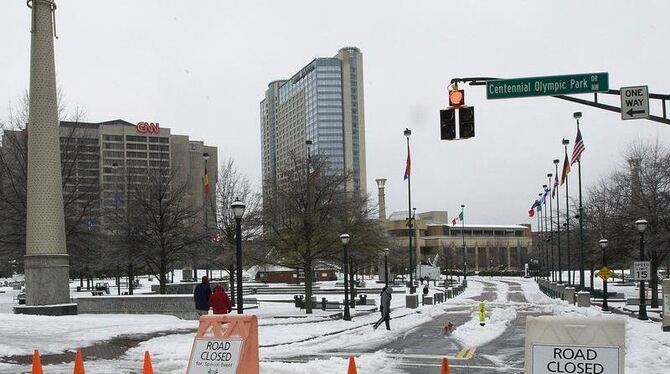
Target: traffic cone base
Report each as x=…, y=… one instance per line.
x=352, y=366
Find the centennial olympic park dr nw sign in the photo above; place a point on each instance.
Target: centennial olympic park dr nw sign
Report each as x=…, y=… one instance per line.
x=547, y=86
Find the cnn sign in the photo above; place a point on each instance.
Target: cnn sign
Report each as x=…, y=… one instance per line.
x=148, y=128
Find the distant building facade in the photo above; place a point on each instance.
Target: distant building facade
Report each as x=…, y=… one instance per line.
x=323, y=104
x=103, y=160
x=488, y=247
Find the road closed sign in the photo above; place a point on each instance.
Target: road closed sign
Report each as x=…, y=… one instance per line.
x=213, y=355
x=574, y=345
x=574, y=359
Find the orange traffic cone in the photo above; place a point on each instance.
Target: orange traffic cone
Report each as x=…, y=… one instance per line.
x=37, y=363
x=79, y=363
x=147, y=369
x=445, y=366
x=352, y=366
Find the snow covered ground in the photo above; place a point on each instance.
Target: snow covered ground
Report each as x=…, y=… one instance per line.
x=647, y=348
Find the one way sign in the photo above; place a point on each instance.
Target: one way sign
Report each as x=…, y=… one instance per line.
x=634, y=102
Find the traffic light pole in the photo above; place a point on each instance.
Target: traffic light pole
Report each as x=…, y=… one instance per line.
x=481, y=81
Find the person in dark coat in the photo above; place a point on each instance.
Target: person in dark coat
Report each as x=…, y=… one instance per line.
x=201, y=296
x=384, y=308
x=425, y=289
x=219, y=301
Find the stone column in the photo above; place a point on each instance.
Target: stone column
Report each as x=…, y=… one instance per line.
x=509, y=257
x=46, y=260
x=381, y=197
x=476, y=257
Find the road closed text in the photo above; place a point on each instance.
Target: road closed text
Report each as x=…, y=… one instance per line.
x=575, y=360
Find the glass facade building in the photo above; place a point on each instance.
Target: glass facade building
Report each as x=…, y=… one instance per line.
x=322, y=103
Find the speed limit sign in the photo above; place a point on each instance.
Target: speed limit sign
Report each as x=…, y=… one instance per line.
x=642, y=270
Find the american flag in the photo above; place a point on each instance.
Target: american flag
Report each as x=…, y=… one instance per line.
x=578, y=149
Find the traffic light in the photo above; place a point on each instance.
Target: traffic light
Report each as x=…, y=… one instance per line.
x=456, y=98
x=448, y=124
x=466, y=122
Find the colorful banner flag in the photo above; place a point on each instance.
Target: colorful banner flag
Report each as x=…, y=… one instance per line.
x=566, y=168
x=407, y=166
x=205, y=182
x=553, y=191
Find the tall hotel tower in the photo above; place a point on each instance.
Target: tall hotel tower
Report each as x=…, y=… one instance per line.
x=322, y=104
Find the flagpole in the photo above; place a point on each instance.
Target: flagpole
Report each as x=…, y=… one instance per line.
x=582, y=254
x=410, y=224
x=465, y=265
x=558, y=227
x=546, y=238
x=567, y=213
x=551, y=232
x=539, y=239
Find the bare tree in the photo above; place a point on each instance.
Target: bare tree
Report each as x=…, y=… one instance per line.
x=166, y=224
x=233, y=185
x=79, y=196
x=641, y=189
x=305, y=213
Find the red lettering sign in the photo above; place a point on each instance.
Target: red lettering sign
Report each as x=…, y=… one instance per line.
x=148, y=127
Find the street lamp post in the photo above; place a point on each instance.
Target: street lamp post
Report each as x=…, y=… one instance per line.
x=410, y=224
x=465, y=264
x=603, y=244
x=641, y=226
x=386, y=267
x=238, y=211
x=345, y=265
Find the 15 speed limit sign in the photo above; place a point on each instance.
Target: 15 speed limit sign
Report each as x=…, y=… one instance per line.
x=642, y=270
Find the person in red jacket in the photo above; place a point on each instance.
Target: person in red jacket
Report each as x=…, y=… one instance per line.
x=219, y=301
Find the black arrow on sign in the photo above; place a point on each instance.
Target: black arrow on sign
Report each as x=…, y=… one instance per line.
x=630, y=112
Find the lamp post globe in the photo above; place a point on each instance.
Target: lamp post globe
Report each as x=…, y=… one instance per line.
x=345, y=268
x=238, y=211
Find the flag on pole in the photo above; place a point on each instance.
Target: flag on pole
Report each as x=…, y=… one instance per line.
x=578, y=149
x=205, y=182
x=566, y=169
x=456, y=219
x=553, y=191
x=543, y=199
x=117, y=199
x=531, y=213
x=407, y=166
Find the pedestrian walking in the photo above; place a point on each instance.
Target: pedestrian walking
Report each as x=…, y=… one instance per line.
x=425, y=289
x=384, y=308
x=219, y=301
x=201, y=296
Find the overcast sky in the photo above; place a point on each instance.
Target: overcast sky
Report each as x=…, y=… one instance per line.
x=202, y=67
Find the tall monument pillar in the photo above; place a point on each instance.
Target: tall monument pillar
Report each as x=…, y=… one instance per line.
x=46, y=260
x=381, y=197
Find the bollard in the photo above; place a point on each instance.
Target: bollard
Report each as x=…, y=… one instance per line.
x=560, y=288
x=583, y=299
x=570, y=295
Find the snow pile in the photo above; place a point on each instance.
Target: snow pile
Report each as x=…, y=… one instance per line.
x=502, y=292
x=23, y=333
x=471, y=334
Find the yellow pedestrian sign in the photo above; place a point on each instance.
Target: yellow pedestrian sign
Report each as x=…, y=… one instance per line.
x=482, y=313
x=605, y=273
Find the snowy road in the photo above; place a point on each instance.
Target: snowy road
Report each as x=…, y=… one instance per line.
x=498, y=346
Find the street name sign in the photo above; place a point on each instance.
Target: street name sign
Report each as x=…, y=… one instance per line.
x=572, y=345
x=215, y=355
x=642, y=270
x=547, y=86
x=634, y=102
